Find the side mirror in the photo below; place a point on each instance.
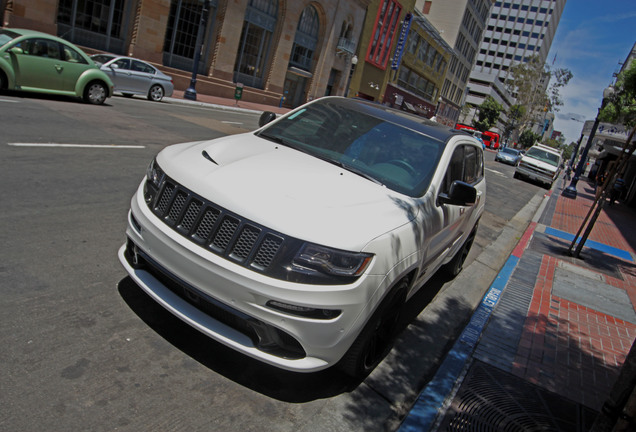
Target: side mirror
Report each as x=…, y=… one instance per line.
x=16, y=50
x=266, y=117
x=113, y=66
x=460, y=194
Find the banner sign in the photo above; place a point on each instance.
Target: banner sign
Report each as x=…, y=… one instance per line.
x=399, y=49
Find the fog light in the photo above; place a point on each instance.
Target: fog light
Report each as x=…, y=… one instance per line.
x=303, y=311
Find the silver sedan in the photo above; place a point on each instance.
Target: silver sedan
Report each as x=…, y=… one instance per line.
x=135, y=77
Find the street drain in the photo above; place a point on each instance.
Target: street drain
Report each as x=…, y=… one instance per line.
x=492, y=400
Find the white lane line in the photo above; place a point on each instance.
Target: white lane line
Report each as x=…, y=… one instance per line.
x=109, y=146
x=9, y=100
x=496, y=172
x=231, y=122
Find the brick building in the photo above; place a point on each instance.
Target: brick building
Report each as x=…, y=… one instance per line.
x=298, y=50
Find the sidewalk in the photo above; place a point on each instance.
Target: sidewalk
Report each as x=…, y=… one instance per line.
x=227, y=103
x=546, y=344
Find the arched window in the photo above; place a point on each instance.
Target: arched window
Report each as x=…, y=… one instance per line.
x=256, y=40
x=306, y=40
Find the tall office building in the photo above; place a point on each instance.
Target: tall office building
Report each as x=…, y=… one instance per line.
x=516, y=30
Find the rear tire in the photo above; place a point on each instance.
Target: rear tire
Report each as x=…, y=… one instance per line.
x=95, y=93
x=156, y=93
x=455, y=266
x=3, y=81
x=376, y=338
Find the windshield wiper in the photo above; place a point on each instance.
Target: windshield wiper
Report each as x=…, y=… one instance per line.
x=277, y=139
x=352, y=169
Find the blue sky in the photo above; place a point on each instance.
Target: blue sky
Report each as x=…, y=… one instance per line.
x=591, y=39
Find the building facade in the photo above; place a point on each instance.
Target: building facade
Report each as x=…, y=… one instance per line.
x=282, y=51
x=402, y=60
x=516, y=30
x=461, y=24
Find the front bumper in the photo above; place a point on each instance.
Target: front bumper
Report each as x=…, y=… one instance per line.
x=535, y=175
x=229, y=302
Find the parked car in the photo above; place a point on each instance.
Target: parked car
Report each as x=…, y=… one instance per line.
x=132, y=76
x=38, y=62
x=299, y=244
x=540, y=163
x=509, y=156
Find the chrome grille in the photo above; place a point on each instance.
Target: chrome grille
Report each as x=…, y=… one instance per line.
x=216, y=229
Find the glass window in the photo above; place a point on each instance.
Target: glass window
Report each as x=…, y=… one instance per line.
x=386, y=22
x=142, y=67
x=258, y=28
x=305, y=40
x=123, y=64
x=42, y=48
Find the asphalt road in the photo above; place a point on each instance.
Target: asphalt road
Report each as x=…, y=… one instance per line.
x=83, y=348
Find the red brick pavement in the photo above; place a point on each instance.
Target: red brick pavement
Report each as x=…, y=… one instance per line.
x=570, y=349
x=565, y=347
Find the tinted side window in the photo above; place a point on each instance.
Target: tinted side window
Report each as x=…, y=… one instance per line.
x=40, y=48
x=72, y=56
x=470, y=164
x=142, y=67
x=123, y=63
x=467, y=165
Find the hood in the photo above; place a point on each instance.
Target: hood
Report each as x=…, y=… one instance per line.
x=538, y=163
x=287, y=190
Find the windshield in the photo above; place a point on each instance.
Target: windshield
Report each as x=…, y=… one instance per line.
x=400, y=158
x=6, y=36
x=544, y=156
x=510, y=151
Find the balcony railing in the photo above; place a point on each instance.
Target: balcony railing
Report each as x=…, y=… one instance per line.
x=346, y=46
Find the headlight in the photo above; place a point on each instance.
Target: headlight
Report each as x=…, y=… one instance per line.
x=154, y=177
x=154, y=173
x=331, y=262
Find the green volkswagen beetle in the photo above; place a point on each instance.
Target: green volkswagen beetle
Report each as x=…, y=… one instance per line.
x=38, y=62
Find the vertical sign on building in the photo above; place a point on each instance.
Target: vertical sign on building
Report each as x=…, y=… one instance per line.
x=399, y=49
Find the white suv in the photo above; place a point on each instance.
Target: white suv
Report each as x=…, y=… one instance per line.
x=298, y=244
x=540, y=163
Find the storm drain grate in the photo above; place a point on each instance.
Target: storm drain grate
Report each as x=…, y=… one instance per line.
x=492, y=400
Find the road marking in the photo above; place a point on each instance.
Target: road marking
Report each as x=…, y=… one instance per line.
x=9, y=100
x=110, y=146
x=496, y=172
x=231, y=122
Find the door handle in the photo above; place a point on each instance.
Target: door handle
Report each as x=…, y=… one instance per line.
x=59, y=68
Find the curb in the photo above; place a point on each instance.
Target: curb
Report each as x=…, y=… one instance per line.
x=435, y=398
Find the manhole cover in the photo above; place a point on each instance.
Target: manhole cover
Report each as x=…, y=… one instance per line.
x=490, y=399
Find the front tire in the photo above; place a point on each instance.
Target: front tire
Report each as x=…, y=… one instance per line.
x=156, y=93
x=95, y=93
x=376, y=338
x=3, y=81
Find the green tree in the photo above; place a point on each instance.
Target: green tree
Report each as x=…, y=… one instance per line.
x=621, y=106
x=489, y=112
x=528, y=82
x=515, y=113
x=528, y=138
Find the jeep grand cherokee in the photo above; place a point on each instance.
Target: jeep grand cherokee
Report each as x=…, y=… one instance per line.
x=299, y=244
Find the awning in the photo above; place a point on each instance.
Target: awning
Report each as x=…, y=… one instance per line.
x=300, y=72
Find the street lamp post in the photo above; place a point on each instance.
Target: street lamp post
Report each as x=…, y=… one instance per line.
x=570, y=191
x=190, y=92
x=354, y=62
